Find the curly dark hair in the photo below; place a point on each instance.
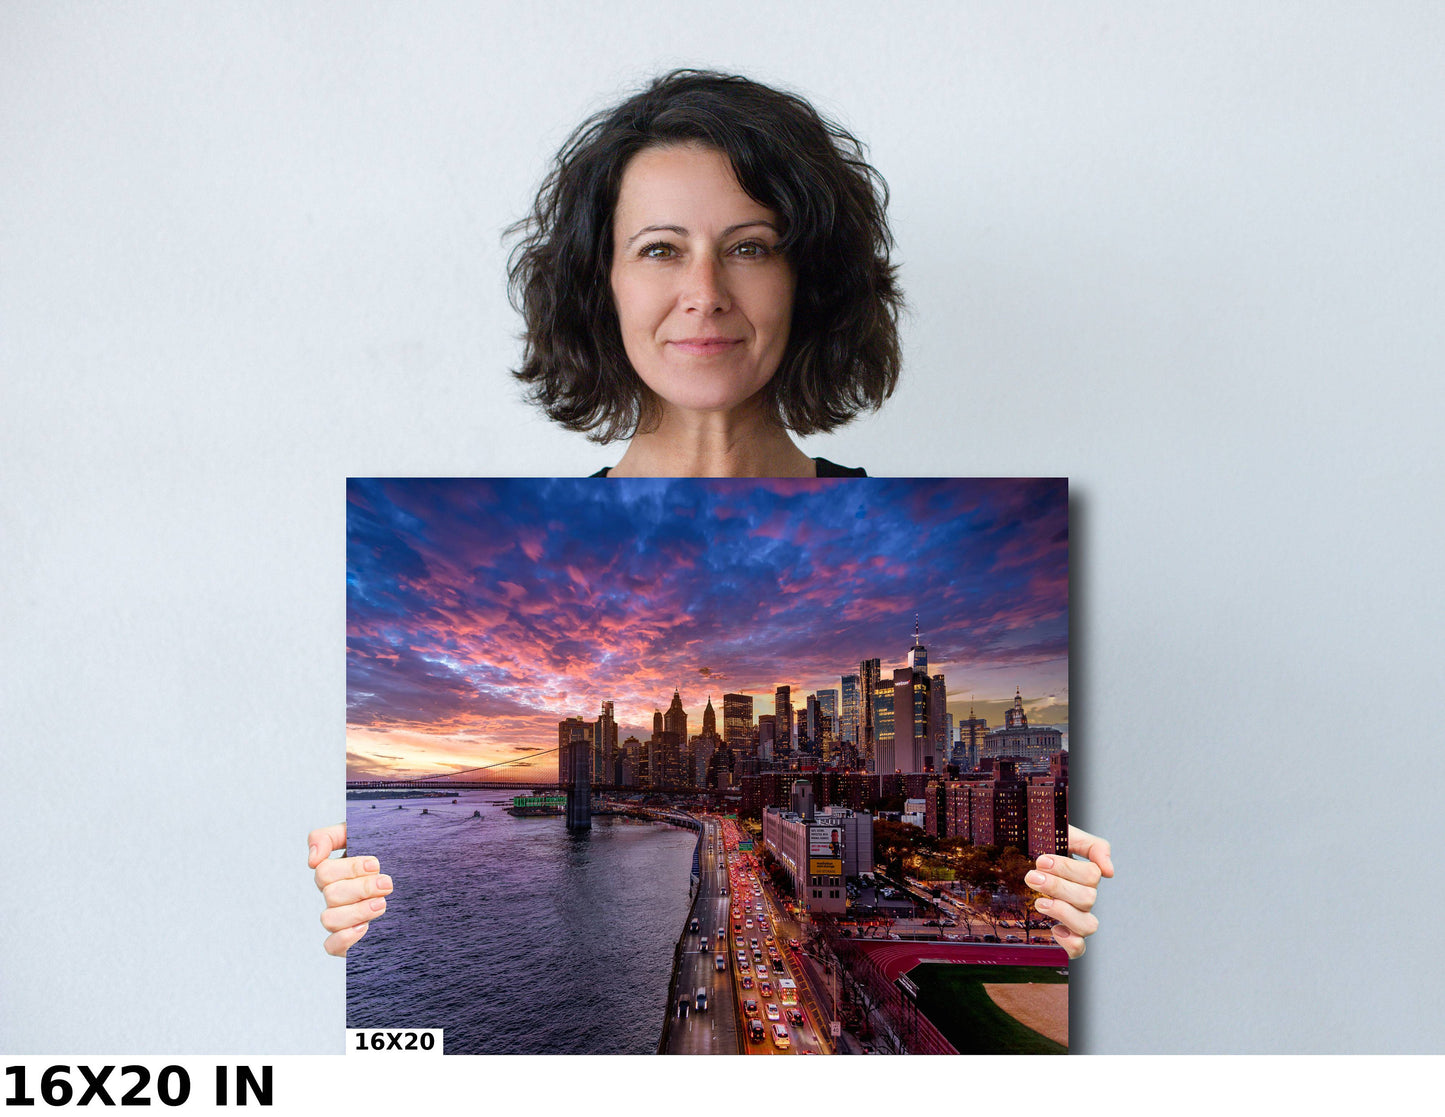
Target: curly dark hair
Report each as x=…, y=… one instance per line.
x=843, y=354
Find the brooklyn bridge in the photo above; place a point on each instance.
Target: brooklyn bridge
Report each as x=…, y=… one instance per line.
x=579, y=788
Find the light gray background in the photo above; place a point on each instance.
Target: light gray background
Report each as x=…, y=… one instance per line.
x=1189, y=257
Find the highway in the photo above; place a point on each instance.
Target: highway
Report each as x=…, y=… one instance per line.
x=755, y=916
x=713, y=1031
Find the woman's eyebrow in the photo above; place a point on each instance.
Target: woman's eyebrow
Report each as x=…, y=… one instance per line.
x=680, y=231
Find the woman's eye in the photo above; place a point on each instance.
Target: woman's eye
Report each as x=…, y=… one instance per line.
x=751, y=249
x=659, y=250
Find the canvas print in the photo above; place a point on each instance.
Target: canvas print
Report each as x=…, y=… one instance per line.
x=709, y=766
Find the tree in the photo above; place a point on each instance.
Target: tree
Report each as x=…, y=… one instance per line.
x=1012, y=867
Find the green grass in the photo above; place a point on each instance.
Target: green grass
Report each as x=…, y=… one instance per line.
x=953, y=997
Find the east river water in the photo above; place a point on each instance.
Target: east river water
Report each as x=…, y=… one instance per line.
x=512, y=934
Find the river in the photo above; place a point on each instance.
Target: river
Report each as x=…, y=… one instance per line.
x=512, y=934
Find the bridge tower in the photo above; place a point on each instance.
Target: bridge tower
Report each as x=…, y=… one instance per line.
x=579, y=786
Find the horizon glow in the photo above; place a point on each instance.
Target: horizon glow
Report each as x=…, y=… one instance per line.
x=480, y=613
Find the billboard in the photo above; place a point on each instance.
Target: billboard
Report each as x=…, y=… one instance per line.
x=825, y=841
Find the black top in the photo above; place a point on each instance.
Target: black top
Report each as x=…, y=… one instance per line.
x=825, y=469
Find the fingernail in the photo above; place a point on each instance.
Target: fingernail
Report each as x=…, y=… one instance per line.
x=1043, y=903
x=371, y=864
x=384, y=883
x=1035, y=879
x=313, y=854
x=378, y=905
x=1046, y=862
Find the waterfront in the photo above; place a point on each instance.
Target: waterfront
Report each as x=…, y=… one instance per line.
x=512, y=934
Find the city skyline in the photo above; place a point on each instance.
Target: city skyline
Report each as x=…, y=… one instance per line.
x=481, y=612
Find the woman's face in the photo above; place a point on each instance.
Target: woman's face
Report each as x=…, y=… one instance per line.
x=703, y=297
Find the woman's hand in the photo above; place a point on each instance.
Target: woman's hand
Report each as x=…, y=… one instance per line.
x=354, y=887
x=1070, y=888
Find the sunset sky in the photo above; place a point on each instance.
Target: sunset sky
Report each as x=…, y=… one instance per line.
x=480, y=613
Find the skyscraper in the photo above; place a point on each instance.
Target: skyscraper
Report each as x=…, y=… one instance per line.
x=869, y=673
x=905, y=758
x=604, y=748
x=675, y=720
x=918, y=654
x=848, y=725
x=828, y=704
x=971, y=732
x=738, y=723
x=654, y=752
x=885, y=756
x=913, y=710
x=709, y=719
x=783, y=720
x=939, y=742
x=674, y=742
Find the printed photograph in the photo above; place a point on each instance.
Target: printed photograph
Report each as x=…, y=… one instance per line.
x=709, y=766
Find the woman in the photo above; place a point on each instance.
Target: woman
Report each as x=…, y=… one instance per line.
x=705, y=273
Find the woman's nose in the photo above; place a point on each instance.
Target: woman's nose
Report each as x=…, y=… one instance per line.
x=706, y=286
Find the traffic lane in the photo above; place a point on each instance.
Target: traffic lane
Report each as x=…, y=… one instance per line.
x=711, y=1031
x=798, y=1042
x=809, y=1037
x=706, y=1032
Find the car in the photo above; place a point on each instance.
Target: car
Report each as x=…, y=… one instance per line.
x=795, y=1017
x=743, y=963
x=693, y=925
x=1011, y=938
x=721, y=961
x=793, y=943
x=683, y=1004
x=1042, y=938
x=772, y=1011
x=780, y=1037
x=990, y=938
x=699, y=1000
x=750, y=1007
x=702, y=946
x=749, y=922
x=747, y=981
x=766, y=989
x=755, y=1031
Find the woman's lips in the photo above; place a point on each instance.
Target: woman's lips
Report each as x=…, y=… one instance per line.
x=706, y=346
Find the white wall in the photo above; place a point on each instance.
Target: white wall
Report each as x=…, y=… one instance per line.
x=1188, y=257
